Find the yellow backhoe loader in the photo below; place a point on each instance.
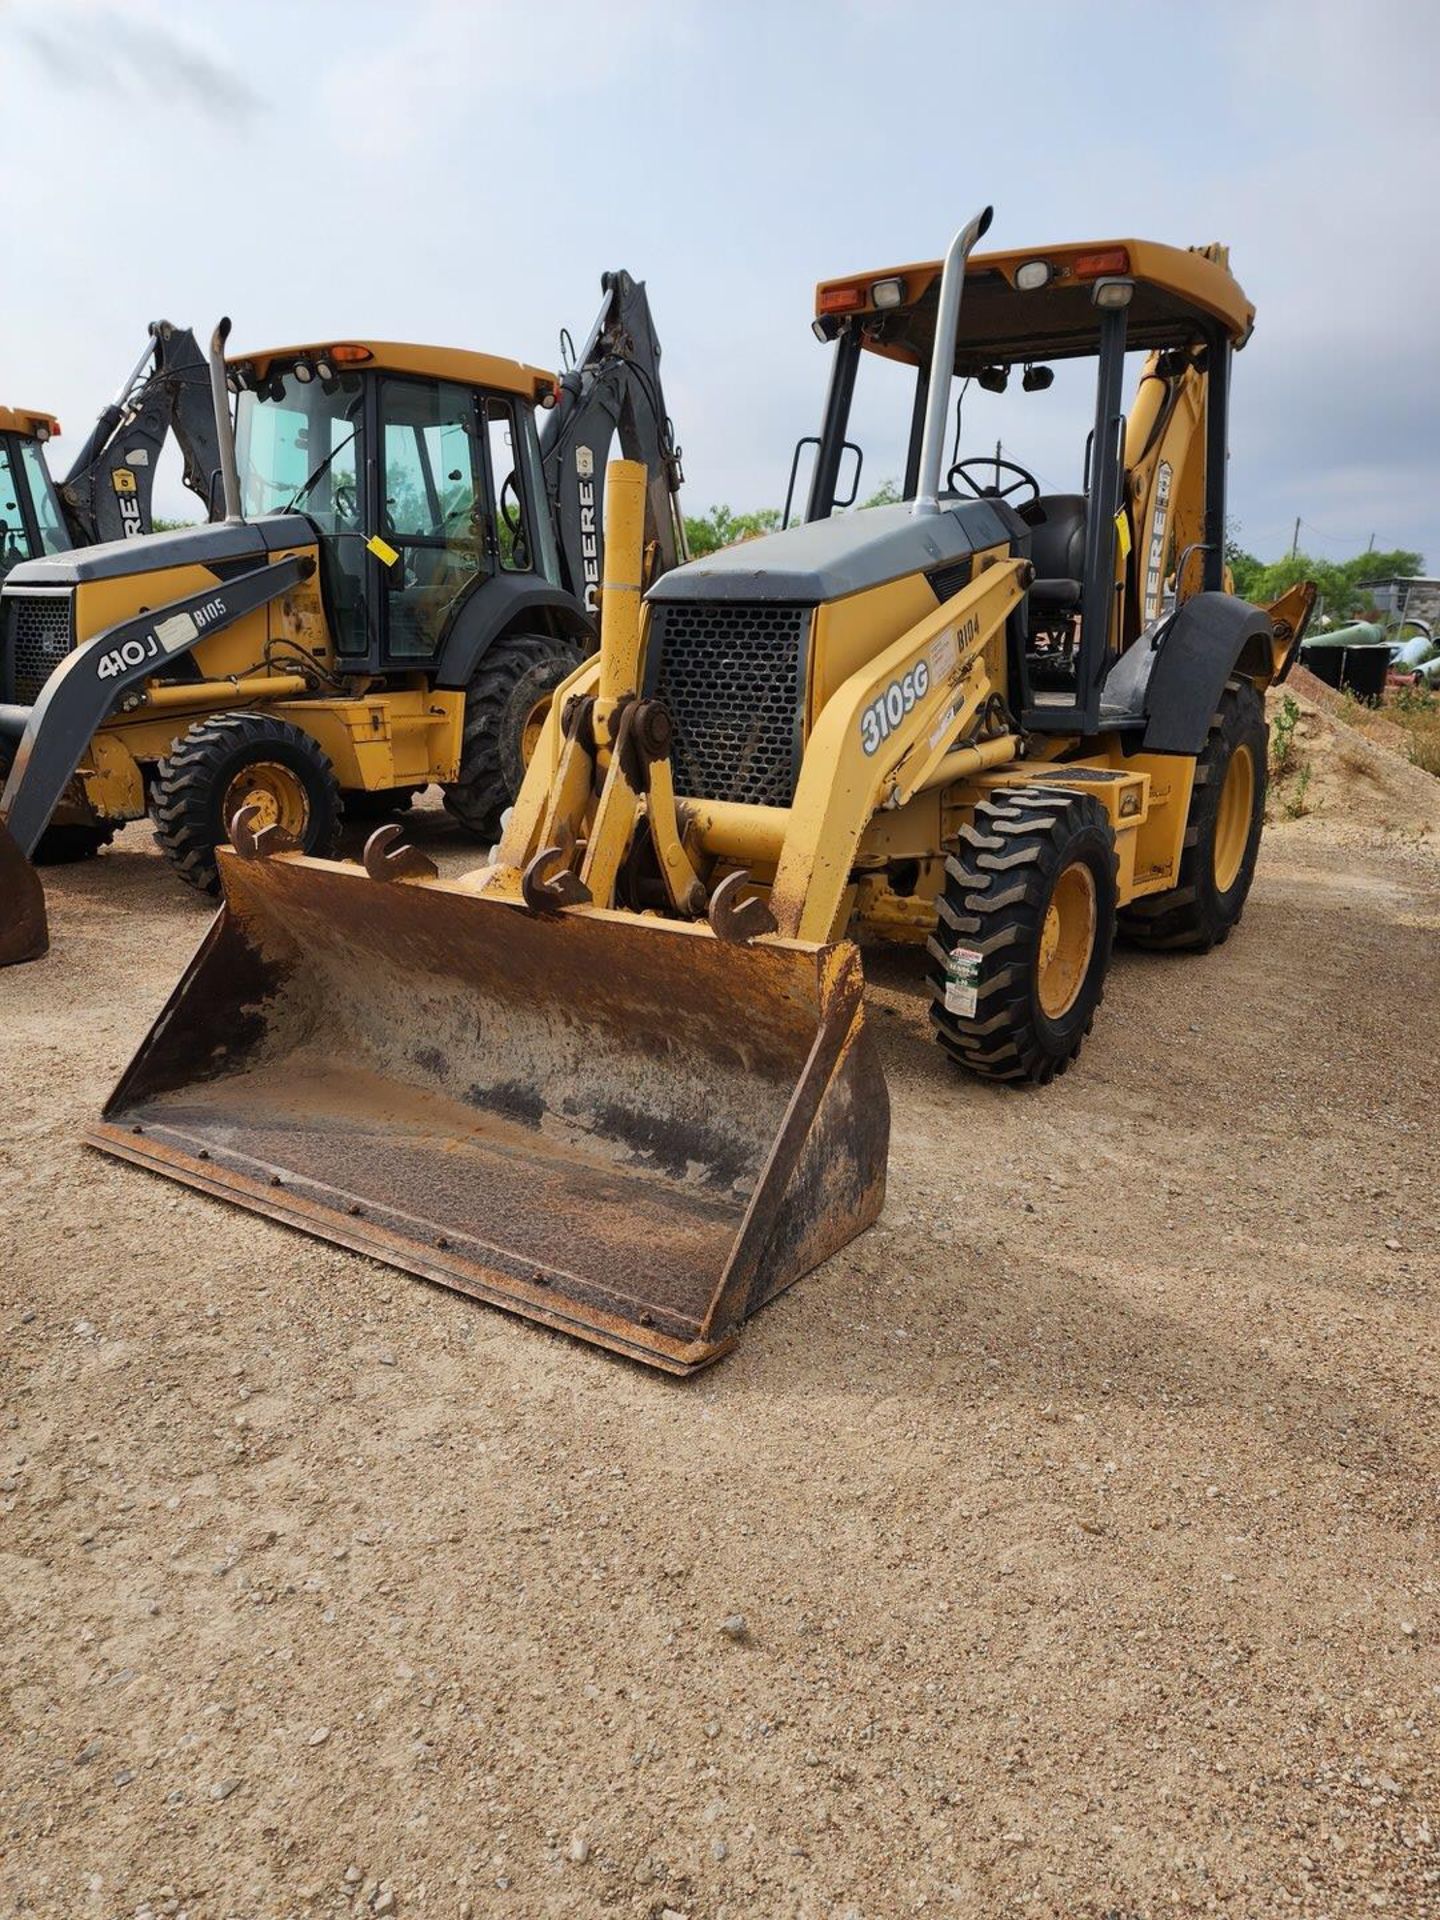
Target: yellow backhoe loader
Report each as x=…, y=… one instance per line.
x=406, y=570
x=620, y=1080
x=107, y=492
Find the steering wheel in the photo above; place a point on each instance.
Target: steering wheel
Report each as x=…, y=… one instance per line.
x=994, y=491
x=343, y=502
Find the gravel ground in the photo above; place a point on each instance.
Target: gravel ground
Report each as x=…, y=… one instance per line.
x=1067, y=1546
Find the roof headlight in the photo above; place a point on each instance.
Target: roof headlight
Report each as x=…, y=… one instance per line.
x=1033, y=275
x=1113, y=293
x=888, y=293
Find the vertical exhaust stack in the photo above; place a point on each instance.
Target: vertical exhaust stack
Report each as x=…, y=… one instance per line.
x=942, y=362
x=224, y=425
x=623, y=1126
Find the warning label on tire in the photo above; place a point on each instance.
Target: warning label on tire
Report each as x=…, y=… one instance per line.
x=962, y=982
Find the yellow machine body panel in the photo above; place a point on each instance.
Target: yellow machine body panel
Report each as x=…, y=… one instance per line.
x=391, y=738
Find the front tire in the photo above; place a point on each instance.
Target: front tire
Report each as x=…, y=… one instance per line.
x=505, y=706
x=231, y=760
x=1026, y=924
x=1222, y=835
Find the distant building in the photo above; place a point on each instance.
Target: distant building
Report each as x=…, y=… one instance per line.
x=1405, y=597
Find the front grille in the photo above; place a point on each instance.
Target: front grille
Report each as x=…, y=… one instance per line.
x=733, y=679
x=37, y=636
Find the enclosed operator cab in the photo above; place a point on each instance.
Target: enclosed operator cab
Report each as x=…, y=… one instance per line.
x=419, y=469
x=31, y=521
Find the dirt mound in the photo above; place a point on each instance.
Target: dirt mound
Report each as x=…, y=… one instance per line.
x=1345, y=785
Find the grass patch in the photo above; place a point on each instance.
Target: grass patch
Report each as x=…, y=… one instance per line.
x=1417, y=711
x=1290, y=770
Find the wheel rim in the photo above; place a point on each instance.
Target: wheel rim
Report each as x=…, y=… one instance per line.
x=1232, y=818
x=532, y=726
x=275, y=791
x=1067, y=940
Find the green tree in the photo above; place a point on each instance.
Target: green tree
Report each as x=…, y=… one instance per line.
x=708, y=532
x=887, y=494
x=1339, y=581
x=1244, y=567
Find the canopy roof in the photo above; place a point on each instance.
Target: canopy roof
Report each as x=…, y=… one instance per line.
x=28, y=421
x=1180, y=296
x=395, y=356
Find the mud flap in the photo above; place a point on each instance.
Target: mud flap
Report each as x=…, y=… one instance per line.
x=620, y=1126
x=24, y=928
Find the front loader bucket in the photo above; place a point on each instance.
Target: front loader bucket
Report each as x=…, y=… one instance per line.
x=621, y=1126
x=24, y=930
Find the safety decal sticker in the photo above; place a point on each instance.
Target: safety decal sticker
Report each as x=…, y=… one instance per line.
x=943, y=726
x=962, y=981
x=943, y=655
x=1155, y=559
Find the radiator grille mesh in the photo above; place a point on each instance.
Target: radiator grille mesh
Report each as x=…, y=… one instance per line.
x=37, y=635
x=732, y=676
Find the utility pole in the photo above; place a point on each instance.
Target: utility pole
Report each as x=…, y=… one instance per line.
x=1295, y=543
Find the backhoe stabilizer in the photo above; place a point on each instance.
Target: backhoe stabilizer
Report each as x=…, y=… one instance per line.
x=24, y=927
x=627, y=1129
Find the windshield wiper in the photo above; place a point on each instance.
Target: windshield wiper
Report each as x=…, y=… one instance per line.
x=314, y=479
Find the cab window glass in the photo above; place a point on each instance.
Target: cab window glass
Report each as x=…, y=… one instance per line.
x=432, y=509
x=54, y=535
x=430, y=470
x=14, y=540
x=300, y=446
x=512, y=540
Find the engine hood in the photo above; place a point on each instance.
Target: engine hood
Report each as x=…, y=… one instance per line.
x=828, y=559
x=228, y=546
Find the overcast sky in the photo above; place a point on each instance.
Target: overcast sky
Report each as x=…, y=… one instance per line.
x=461, y=171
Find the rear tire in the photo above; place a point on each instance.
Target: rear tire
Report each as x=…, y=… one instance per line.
x=506, y=700
x=70, y=841
x=226, y=760
x=1026, y=924
x=1222, y=835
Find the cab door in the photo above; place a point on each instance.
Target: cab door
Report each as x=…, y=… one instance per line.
x=434, y=514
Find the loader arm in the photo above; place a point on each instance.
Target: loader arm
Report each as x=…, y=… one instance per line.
x=614, y=389
x=92, y=680
x=108, y=492
x=894, y=726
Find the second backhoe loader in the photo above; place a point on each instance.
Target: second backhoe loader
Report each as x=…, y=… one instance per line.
x=620, y=1080
x=108, y=491
x=406, y=570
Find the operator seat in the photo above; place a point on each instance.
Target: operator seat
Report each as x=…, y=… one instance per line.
x=1057, y=551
